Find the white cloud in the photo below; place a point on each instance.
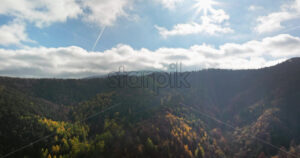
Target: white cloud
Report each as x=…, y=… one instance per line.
x=169, y=4
x=74, y=62
x=106, y=12
x=255, y=8
x=46, y=12
x=13, y=34
x=193, y=28
x=273, y=21
x=41, y=12
x=213, y=21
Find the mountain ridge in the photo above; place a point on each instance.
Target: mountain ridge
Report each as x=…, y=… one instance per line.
x=263, y=103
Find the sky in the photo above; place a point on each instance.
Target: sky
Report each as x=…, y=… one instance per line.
x=81, y=38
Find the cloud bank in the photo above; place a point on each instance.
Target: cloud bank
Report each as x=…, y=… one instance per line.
x=75, y=62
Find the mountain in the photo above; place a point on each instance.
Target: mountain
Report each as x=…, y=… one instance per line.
x=208, y=113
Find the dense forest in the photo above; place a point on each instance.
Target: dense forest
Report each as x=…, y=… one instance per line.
x=221, y=113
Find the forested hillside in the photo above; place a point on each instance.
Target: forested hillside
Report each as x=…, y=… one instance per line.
x=222, y=113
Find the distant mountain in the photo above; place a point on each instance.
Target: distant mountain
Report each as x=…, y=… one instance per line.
x=212, y=113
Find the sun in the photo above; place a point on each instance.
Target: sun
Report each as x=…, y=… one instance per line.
x=204, y=6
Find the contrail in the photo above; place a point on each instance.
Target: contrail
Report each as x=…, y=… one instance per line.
x=99, y=37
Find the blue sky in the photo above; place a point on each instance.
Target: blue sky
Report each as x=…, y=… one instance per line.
x=144, y=34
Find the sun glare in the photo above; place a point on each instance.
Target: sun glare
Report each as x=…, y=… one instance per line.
x=204, y=6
